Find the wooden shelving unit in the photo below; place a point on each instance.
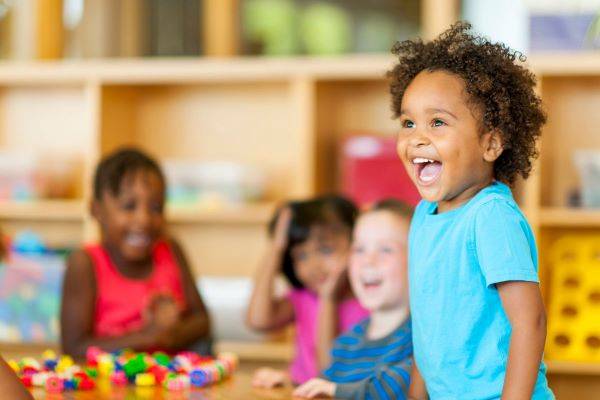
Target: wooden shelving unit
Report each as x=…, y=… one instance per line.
x=259, y=213
x=569, y=217
x=44, y=210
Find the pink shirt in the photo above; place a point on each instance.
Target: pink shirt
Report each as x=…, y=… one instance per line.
x=306, y=307
x=121, y=301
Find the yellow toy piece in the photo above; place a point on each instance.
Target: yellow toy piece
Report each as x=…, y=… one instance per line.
x=49, y=355
x=106, y=365
x=30, y=362
x=14, y=366
x=145, y=379
x=574, y=312
x=64, y=363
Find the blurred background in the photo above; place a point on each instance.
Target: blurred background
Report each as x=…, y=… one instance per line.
x=247, y=103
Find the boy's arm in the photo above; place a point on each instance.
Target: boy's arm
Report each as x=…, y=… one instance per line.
x=388, y=382
x=417, y=390
x=385, y=382
x=266, y=313
x=523, y=305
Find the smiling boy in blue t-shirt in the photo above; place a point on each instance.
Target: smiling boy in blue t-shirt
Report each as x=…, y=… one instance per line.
x=469, y=122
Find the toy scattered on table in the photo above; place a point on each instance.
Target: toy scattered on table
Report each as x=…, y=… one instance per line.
x=184, y=370
x=574, y=326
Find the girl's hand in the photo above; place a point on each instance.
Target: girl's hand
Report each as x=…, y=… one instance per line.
x=268, y=378
x=162, y=312
x=316, y=387
x=280, y=236
x=336, y=281
x=161, y=315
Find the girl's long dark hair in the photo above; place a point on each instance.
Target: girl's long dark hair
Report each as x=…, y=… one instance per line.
x=330, y=210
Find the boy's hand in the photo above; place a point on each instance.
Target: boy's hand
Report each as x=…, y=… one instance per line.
x=268, y=378
x=316, y=387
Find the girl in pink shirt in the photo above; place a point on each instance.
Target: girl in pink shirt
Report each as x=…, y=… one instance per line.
x=133, y=289
x=310, y=244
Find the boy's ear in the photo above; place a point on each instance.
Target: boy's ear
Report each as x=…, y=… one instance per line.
x=492, y=145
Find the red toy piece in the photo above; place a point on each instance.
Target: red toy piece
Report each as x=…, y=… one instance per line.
x=92, y=354
x=86, y=384
x=160, y=372
x=55, y=385
x=26, y=381
x=118, y=378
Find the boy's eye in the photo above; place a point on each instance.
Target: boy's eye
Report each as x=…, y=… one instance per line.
x=407, y=123
x=358, y=249
x=437, y=122
x=387, y=250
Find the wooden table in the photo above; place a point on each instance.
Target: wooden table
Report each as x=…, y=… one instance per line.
x=236, y=387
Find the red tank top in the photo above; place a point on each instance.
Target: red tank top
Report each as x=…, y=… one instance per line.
x=121, y=301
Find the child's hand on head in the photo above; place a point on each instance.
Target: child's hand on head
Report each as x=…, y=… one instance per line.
x=280, y=236
x=268, y=378
x=316, y=387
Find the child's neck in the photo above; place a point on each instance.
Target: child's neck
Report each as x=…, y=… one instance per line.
x=464, y=196
x=384, y=322
x=131, y=269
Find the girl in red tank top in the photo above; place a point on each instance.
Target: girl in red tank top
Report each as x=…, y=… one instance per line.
x=134, y=289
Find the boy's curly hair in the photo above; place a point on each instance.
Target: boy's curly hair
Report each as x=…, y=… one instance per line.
x=503, y=89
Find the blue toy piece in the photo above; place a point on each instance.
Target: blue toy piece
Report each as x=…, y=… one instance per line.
x=70, y=384
x=50, y=365
x=198, y=378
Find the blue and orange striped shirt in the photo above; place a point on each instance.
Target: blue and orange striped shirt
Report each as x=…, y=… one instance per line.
x=375, y=369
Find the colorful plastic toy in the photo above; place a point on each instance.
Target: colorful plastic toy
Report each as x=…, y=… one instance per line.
x=574, y=326
x=59, y=374
x=145, y=379
x=54, y=384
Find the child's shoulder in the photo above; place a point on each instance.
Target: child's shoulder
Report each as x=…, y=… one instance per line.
x=496, y=202
x=80, y=258
x=80, y=267
x=354, y=335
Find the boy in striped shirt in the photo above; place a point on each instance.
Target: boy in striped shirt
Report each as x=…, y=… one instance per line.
x=373, y=359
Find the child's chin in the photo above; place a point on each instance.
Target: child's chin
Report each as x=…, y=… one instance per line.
x=370, y=304
x=135, y=255
x=430, y=194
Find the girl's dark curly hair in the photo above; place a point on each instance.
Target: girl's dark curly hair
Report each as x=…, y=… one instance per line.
x=502, y=89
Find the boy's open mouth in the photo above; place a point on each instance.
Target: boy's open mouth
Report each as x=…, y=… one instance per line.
x=427, y=170
x=371, y=282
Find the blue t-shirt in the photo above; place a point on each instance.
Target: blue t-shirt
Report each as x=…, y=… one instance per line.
x=461, y=333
